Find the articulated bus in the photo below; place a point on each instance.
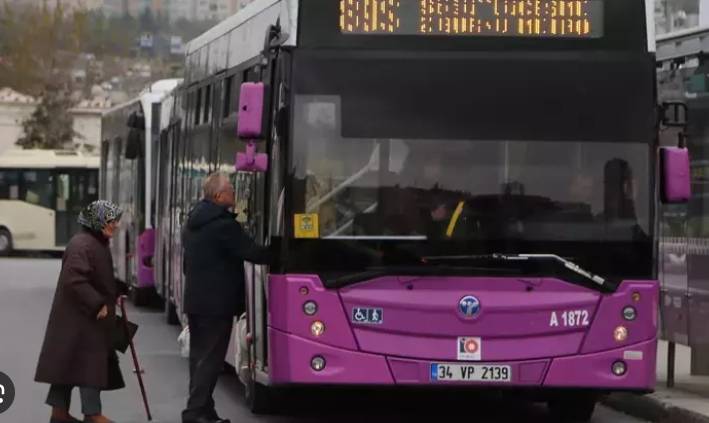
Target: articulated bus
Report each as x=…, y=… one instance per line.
x=460, y=193
x=41, y=195
x=129, y=134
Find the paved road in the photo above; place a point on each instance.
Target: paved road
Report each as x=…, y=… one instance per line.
x=26, y=289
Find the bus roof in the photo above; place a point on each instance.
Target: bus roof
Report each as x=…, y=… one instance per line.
x=241, y=36
x=152, y=94
x=47, y=159
x=235, y=21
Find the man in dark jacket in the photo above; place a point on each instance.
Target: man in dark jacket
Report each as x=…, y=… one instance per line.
x=215, y=250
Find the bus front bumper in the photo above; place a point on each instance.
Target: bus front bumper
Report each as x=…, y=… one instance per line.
x=291, y=362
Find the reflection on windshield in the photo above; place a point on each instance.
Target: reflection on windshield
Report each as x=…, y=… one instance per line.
x=465, y=189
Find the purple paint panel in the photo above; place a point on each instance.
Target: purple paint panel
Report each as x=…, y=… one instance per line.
x=250, y=161
x=430, y=305
x=610, y=316
x=286, y=313
x=676, y=181
x=146, y=251
x=537, y=326
x=492, y=349
x=290, y=358
x=594, y=370
x=516, y=318
x=251, y=110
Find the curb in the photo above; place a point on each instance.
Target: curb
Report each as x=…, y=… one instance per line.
x=653, y=408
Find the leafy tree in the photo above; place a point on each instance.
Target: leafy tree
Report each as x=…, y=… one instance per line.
x=50, y=126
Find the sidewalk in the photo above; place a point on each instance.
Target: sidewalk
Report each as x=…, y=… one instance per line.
x=687, y=402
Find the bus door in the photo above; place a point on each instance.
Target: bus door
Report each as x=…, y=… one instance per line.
x=75, y=190
x=251, y=214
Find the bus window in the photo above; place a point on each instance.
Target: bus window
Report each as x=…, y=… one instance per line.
x=92, y=188
x=62, y=192
x=199, y=107
x=228, y=85
x=37, y=188
x=207, y=104
x=9, y=185
x=62, y=216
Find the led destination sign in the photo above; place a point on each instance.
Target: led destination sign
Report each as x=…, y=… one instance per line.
x=511, y=18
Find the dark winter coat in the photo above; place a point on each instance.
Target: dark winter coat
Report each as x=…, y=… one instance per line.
x=215, y=250
x=77, y=349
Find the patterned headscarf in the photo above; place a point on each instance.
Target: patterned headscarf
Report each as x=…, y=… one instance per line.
x=98, y=214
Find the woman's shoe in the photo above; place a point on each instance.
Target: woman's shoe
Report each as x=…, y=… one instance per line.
x=62, y=416
x=97, y=419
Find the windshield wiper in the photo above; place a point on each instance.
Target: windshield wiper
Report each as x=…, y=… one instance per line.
x=523, y=257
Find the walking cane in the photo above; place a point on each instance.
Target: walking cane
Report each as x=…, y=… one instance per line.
x=138, y=371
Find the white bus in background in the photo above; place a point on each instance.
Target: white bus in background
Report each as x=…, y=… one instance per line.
x=41, y=195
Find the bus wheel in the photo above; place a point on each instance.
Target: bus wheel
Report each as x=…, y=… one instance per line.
x=259, y=398
x=171, y=313
x=5, y=242
x=573, y=408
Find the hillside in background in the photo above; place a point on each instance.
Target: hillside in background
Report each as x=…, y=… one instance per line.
x=88, y=53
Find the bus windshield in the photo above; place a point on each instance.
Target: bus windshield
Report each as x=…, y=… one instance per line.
x=475, y=189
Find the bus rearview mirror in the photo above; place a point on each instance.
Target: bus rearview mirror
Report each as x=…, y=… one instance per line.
x=251, y=102
x=675, y=175
x=136, y=121
x=251, y=161
x=674, y=114
x=134, y=146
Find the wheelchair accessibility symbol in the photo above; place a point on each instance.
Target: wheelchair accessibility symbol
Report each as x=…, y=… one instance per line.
x=367, y=315
x=7, y=392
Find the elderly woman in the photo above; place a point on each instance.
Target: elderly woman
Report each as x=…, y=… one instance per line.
x=77, y=349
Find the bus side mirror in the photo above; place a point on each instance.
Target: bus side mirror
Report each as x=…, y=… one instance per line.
x=250, y=161
x=674, y=114
x=251, y=103
x=134, y=144
x=675, y=175
x=136, y=121
x=250, y=127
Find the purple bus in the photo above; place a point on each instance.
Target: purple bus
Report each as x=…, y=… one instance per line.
x=461, y=193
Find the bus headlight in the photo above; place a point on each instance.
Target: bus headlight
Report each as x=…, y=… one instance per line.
x=619, y=368
x=620, y=334
x=310, y=308
x=317, y=363
x=317, y=328
x=629, y=313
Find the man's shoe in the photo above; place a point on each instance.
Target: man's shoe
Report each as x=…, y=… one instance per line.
x=216, y=419
x=60, y=415
x=206, y=420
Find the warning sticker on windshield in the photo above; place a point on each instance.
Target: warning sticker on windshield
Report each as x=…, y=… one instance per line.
x=307, y=226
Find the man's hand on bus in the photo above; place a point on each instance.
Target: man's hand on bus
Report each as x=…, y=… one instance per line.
x=102, y=313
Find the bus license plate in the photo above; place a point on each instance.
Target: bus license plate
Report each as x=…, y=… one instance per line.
x=442, y=372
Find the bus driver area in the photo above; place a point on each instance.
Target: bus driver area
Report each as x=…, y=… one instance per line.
x=559, y=336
